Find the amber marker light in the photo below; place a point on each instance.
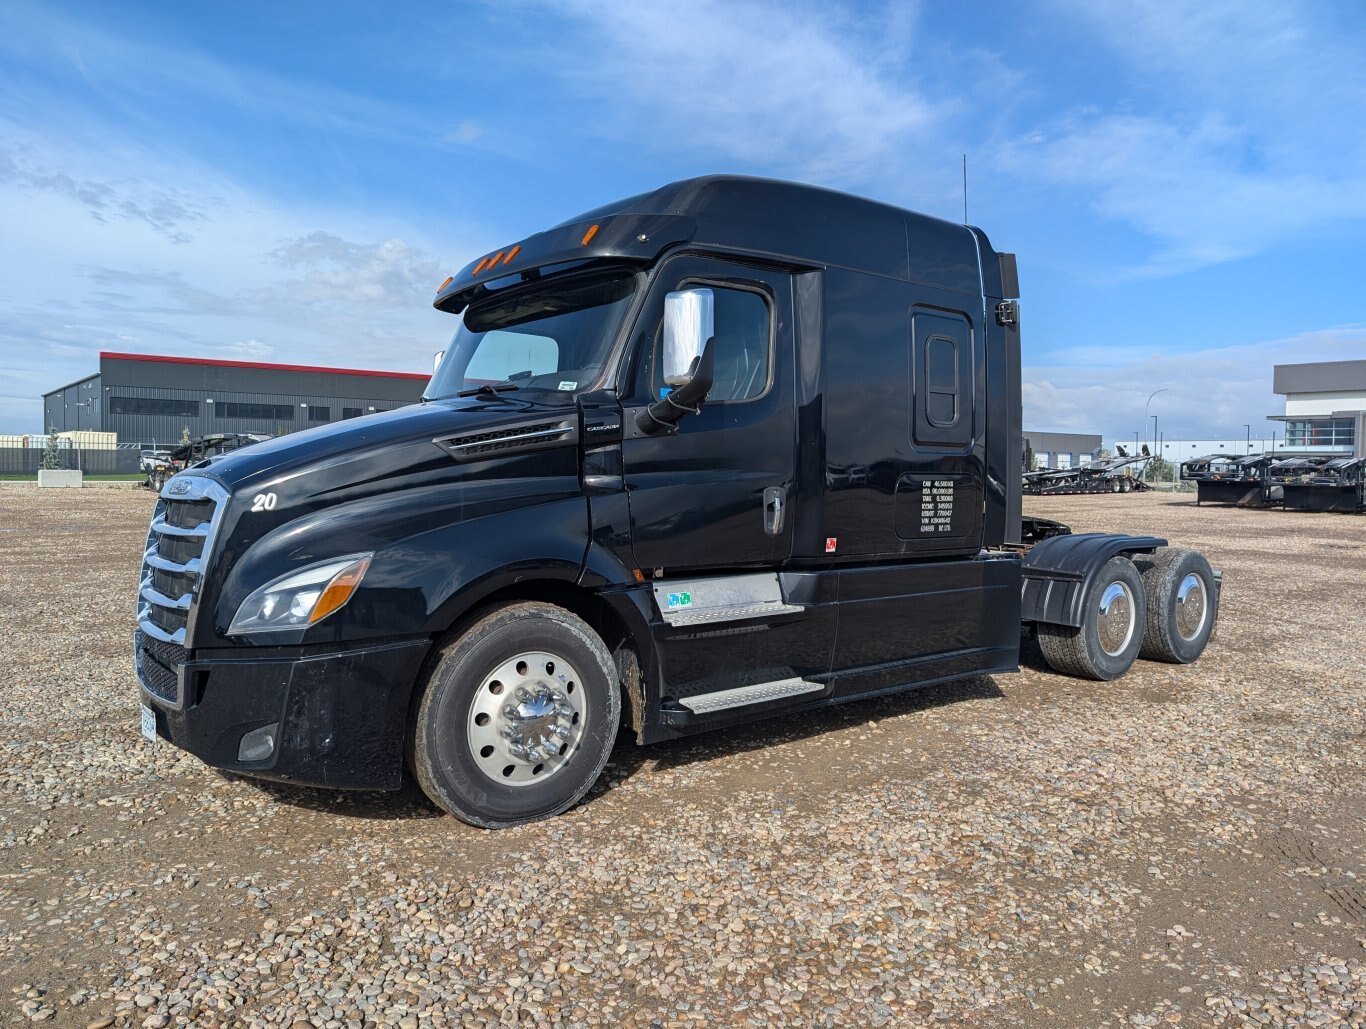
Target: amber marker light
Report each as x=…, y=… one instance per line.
x=449, y=280
x=588, y=236
x=513, y=253
x=339, y=590
x=480, y=266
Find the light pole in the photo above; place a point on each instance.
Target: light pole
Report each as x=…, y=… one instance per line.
x=1145, y=422
x=1154, y=450
x=1249, y=436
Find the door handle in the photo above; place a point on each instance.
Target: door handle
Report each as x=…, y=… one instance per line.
x=774, y=497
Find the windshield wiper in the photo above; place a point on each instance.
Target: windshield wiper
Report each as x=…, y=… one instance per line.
x=488, y=391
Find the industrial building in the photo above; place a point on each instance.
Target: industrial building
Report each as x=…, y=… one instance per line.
x=153, y=401
x=1325, y=413
x=1061, y=449
x=1325, y=406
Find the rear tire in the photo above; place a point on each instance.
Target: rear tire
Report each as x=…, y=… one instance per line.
x=1105, y=645
x=517, y=717
x=1182, y=604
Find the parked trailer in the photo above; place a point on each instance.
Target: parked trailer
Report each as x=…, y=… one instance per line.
x=1336, y=485
x=1227, y=479
x=1288, y=471
x=1121, y=474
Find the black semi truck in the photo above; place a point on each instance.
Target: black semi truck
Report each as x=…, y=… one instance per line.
x=729, y=449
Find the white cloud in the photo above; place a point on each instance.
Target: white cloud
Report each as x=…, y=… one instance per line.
x=117, y=249
x=1243, y=138
x=802, y=90
x=1208, y=394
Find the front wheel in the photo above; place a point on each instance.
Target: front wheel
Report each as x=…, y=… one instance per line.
x=1114, y=614
x=517, y=717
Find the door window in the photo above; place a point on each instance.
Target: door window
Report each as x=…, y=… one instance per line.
x=743, y=347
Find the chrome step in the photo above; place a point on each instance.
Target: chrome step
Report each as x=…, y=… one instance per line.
x=731, y=598
x=742, y=696
x=730, y=614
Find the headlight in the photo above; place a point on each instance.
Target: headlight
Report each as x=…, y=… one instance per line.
x=302, y=598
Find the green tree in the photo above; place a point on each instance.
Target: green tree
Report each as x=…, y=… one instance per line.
x=52, y=454
x=1160, y=470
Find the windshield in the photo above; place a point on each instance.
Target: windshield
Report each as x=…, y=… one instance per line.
x=554, y=336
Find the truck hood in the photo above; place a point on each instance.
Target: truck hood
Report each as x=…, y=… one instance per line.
x=371, y=449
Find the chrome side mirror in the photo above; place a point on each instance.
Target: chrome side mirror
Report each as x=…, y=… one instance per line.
x=436, y=361
x=689, y=321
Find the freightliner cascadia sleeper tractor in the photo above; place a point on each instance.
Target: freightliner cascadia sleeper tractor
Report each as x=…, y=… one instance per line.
x=729, y=449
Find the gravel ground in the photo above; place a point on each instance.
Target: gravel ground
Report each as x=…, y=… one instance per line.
x=1184, y=846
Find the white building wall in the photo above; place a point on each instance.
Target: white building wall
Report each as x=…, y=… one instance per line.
x=1178, y=450
x=1322, y=404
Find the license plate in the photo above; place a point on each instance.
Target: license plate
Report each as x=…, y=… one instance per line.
x=149, y=723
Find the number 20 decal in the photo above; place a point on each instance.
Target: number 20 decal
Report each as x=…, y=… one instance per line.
x=263, y=502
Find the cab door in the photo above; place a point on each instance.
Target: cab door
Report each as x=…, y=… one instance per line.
x=714, y=495
x=710, y=507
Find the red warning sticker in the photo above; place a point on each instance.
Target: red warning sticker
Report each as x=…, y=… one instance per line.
x=830, y=544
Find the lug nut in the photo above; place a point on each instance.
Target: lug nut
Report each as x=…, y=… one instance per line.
x=523, y=694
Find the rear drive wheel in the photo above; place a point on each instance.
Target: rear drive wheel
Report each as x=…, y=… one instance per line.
x=1182, y=604
x=517, y=717
x=1113, y=616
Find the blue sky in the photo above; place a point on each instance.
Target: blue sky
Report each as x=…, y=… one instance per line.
x=1184, y=183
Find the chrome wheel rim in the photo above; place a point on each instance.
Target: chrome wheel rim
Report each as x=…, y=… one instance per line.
x=527, y=719
x=1115, y=623
x=1191, y=607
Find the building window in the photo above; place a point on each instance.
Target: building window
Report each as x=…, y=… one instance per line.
x=1320, y=432
x=319, y=413
x=154, y=406
x=272, y=412
x=351, y=412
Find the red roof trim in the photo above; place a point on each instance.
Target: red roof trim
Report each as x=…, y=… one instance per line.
x=259, y=364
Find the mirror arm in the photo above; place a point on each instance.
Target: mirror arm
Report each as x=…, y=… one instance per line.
x=665, y=414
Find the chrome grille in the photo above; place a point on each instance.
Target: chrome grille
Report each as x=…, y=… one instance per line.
x=187, y=515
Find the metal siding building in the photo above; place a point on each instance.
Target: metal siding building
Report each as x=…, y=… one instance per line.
x=1062, y=449
x=152, y=400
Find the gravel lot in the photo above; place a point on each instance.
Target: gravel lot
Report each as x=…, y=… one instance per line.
x=1185, y=846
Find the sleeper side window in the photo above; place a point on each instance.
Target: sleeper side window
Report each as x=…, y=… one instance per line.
x=941, y=380
x=941, y=368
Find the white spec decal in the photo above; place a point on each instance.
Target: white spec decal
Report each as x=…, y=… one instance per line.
x=263, y=502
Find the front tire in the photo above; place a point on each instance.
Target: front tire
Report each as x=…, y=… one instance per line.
x=1183, y=604
x=1114, y=614
x=517, y=717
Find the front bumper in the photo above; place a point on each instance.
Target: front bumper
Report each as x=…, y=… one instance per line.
x=341, y=716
